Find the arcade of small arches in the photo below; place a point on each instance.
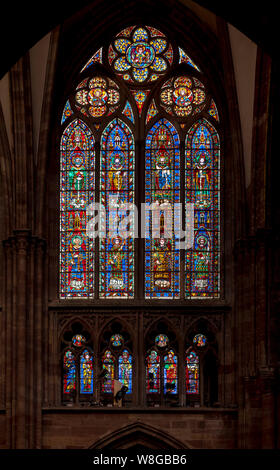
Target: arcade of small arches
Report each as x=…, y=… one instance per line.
x=94, y=370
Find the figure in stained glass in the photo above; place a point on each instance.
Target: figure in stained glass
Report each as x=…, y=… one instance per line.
x=69, y=376
x=125, y=370
x=78, y=340
x=200, y=340
x=77, y=264
x=202, y=189
x=182, y=96
x=192, y=373
x=140, y=54
x=86, y=372
x=170, y=373
x=162, y=192
x=116, y=340
x=153, y=372
x=161, y=341
x=202, y=175
x=108, y=363
x=117, y=192
x=77, y=190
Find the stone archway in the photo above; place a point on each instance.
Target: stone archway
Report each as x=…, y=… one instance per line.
x=138, y=436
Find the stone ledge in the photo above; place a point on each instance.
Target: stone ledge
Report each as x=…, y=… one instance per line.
x=105, y=409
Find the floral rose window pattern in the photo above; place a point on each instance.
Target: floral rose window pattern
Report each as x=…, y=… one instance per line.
x=97, y=97
x=183, y=96
x=140, y=54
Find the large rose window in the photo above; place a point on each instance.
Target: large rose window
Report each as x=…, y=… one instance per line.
x=183, y=96
x=140, y=54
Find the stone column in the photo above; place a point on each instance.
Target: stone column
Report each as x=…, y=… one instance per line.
x=24, y=274
x=268, y=407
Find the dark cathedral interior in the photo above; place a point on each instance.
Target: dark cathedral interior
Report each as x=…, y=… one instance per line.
x=139, y=342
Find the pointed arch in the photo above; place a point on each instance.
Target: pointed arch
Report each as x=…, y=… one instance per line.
x=202, y=164
x=116, y=350
x=161, y=362
x=117, y=175
x=162, y=192
x=77, y=164
x=138, y=434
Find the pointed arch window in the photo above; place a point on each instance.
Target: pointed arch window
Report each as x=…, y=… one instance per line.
x=203, y=190
x=116, y=258
x=161, y=371
x=148, y=133
x=162, y=193
x=77, y=377
x=77, y=191
x=116, y=363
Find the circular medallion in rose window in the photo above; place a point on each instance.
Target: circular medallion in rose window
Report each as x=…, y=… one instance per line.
x=97, y=97
x=140, y=54
x=182, y=96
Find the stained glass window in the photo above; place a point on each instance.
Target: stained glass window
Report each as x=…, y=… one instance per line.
x=95, y=59
x=86, y=372
x=182, y=96
x=140, y=54
x=140, y=98
x=67, y=112
x=97, y=97
x=192, y=373
x=116, y=340
x=170, y=373
x=69, y=375
x=162, y=191
x=152, y=111
x=161, y=341
x=153, y=373
x=200, y=340
x=203, y=190
x=116, y=258
x=78, y=340
x=127, y=111
x=213, y=111
x=185, y=147
x=125, y=370
x=77, y=191
x=108, y=363
x=184, y=58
